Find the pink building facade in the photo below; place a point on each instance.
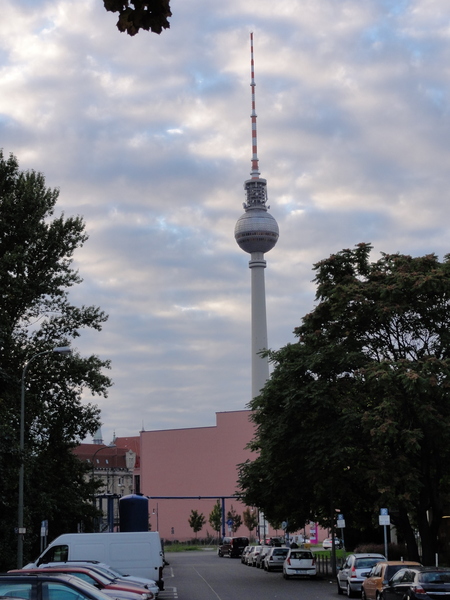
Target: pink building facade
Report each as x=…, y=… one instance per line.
x=181, y=470
x=199, y=464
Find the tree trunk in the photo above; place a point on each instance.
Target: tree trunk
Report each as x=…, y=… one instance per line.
x=402, y=523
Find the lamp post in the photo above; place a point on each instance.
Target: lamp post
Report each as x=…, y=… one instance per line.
x=20, y=527
x=110, y=510
x=156, y=512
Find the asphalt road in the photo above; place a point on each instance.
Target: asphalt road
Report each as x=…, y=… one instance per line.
x=202, y=575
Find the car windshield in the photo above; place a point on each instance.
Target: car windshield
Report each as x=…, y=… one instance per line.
x=89, y=576
x=102, y=573
x=280, y=551
x=436, y=577
x=365, y=563
x=391, y=570
x=301, y=555
x=17, y=589
x=58, y=591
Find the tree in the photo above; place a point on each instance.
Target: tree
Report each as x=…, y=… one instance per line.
x=234, y=518
x=215, y=517
x=196, y=521
x=357, y=413
x=139, y=14
x=36, y=315
x=250, y=519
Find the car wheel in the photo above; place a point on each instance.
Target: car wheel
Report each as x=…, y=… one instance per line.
x=220, y=554
x=340, y=590
x=268, y=568
x=363, y=594
x=350, y=592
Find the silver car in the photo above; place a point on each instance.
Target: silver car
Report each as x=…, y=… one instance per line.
x=275, y=558
x=353, y=572
x=259, y=561
x=254, y=555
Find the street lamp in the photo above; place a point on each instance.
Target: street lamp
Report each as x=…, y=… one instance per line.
x=110, y=510
x=156, y=512
x=20, y=527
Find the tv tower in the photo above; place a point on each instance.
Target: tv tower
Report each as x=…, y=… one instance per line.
x=256, y=232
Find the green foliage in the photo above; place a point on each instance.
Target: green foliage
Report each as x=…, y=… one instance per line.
x=139, y=14
x=196, y=521
x=357, y=414
x=237, y=519
x=36, y=273
x=250, y=518
x=215, y=517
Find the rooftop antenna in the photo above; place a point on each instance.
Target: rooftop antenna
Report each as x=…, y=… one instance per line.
x=255, y=168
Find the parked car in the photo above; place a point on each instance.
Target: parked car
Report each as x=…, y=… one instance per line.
x=275, y=558
x=276, y=541
x=380, y=574
x=254, y=555
x=353, y=572
x=327, y=543
x=124, y=591
x=232, y=546
x=248, y=556
x=417, y=583
x=299, y=562
x=109, y=572
x=48, y=586
x=259, y=561
x=244, y=554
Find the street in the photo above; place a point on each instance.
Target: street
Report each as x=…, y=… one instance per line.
x=202, y=575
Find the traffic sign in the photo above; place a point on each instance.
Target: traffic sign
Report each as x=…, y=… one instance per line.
x=384, y=520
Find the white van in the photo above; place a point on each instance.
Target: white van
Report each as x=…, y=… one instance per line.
x=133, y=553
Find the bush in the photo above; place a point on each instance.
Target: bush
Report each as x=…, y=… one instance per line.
x=395, y=551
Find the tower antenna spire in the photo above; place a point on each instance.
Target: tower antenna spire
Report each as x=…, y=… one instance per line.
x=255, y=168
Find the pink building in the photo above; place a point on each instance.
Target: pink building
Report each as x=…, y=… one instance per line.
x=199, y=464
x=181, y=470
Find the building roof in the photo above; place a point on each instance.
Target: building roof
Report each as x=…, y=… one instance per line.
x=101, y=456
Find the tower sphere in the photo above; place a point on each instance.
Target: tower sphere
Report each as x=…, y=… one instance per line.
x=256, y=230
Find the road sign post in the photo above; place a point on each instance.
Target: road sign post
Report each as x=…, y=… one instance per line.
x=384, y=519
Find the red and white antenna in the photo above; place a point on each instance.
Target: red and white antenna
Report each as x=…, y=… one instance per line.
x=255, y=169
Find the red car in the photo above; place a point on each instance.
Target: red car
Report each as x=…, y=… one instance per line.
x=123, y=591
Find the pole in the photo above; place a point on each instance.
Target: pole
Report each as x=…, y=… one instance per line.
x=385, y=542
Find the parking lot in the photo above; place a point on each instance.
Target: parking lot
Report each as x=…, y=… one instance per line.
x=202, y=575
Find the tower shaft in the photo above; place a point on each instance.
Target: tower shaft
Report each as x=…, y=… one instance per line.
x=260, y=364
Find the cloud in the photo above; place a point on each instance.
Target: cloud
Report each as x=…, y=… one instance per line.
x=149, y=138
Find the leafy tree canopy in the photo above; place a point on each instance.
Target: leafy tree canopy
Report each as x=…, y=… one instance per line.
x=356, y=415
x=196, y=521
x=138, y=14
x=215, y=517
x=250, y=518
x=235, y=518
x=36, y=315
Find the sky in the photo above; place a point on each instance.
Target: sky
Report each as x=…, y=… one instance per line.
x=149, y=139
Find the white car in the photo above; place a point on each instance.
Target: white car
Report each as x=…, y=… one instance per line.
x=299, y=562
x=327, y=544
